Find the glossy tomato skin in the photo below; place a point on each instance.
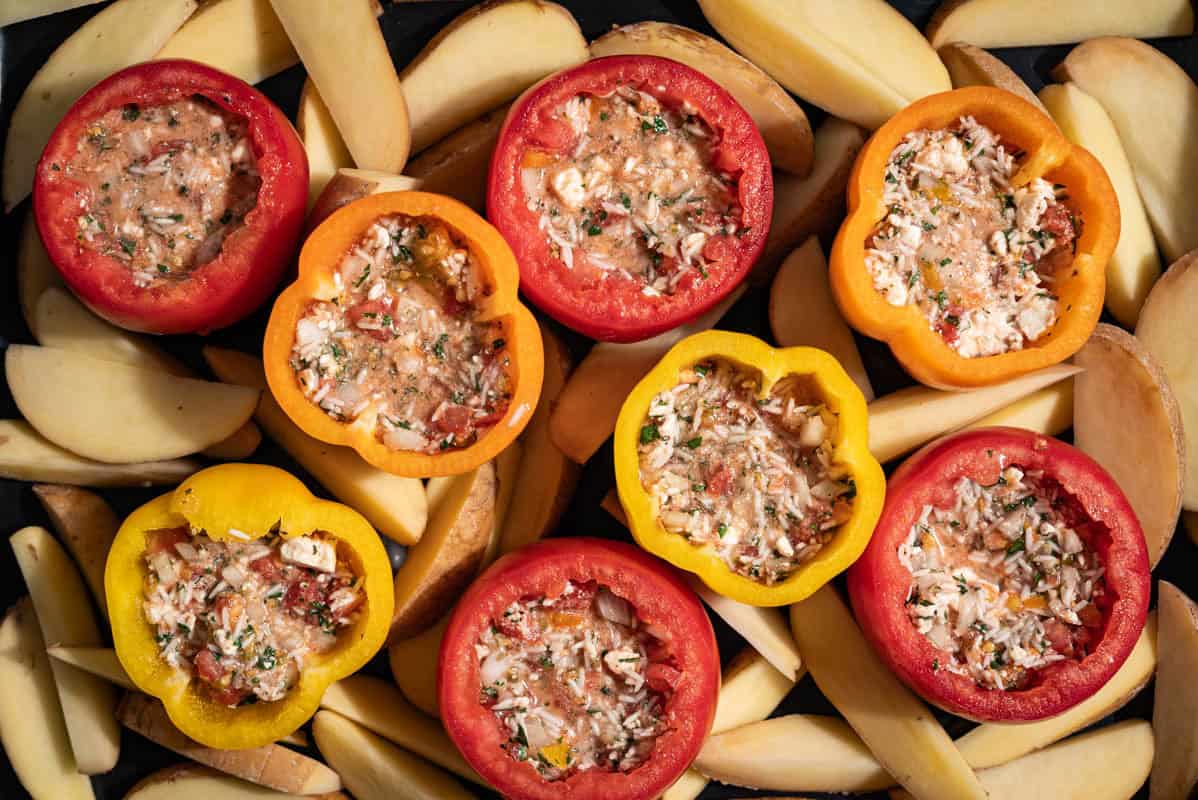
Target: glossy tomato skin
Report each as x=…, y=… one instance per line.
x=252, y=259
x=661, y=598
x=878, y=583
x=595, y=308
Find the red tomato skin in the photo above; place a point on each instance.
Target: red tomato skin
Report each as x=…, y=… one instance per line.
x=252, y=259
x=597, y=309
x=659, y=596
x=878, y=583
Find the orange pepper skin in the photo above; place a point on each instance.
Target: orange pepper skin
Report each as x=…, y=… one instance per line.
x=850, y=450
x=320, y=258
x=921, y=350
x=251, y=499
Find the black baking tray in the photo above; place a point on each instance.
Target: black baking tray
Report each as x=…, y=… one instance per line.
x=407, y=27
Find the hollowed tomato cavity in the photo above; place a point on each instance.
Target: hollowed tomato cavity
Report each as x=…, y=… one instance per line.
x=402, y=341
x=754, y=479
x=576, y=681
x=160, y=187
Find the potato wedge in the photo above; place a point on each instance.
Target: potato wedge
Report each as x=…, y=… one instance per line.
x=590, y=402
x=972, y=66
x=124, y=33
x=241, y=37
x=118, y=413
x=857, y=59
x=458, y=164
x=547, y=478
x=26, y=456
x=379, y=707
x=21, y=10
x=87, y=524
x=802, y=312
x=1135, y=264
x=32, y=729
x=273, y=766
x=347, y=185
x=1048, y=410
x=1021, y=23
x=326, y=150
x=395, y=506
x=991, y=744
x=448, y=556
x=902, y=421
x=1175, y=706
x=1166, y=330
x=366, y=102
x=896, y=726
x=780, y=119
x=507, y=468
x=483, y=58
x=35, y=272
x=193, y=782
x=813, y=205
x=414, y=666
x=1126, y=418
x=66, y=617
x=99, y=661
x=1151, y=100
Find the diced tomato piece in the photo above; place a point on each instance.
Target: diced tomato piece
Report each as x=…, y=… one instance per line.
x=719, y=481
x=207, y=668
x=164, y=539
x=1090, y=616
x=581, y=597
x=1058, y=636
x=268, y=567
x=379, y=309
x=1057, y=221
x=227, y=696
x=492, y=418
x=302, y=594
x=662, y=677
x=553, y=134
x=718, y=249
x=454, y=419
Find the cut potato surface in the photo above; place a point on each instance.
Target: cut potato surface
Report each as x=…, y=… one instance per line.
x=1175, y=707
x=483, y=58
x=326, y=150
x=99, y=661
x=1021, y=23
x=117, y=413
x=781, y=120
x=1166, y=329
x=32, y=729
x=193, y=782
x=1135, y=265
x=240, y=37
x=1048, y=411
x=87, y=524
x=857, y=59
x=414, y=667
x=124, y=33
x=35, y=272
x=1152, y=102
x=21, y=10
x=1126, y=418
x=972, y=66
x=458, y=164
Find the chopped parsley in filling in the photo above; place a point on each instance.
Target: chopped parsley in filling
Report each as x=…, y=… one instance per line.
x=976, y=255
x=754, y=479
x=636, y=195
x=401, y=341
x=576, y=682
x=1006, y=581
x=243, y=617
x=162, y=187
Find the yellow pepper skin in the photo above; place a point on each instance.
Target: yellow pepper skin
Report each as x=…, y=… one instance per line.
x=850, y=449
x=252, y=499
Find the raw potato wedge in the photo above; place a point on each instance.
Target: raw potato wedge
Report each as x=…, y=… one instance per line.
x=378, y=706
x=483, y=58
x=508, y=464
x=35, y=272
x=1021, y=23
x=992, y=744
x=124, y=33
x=813, y=205
x=1166, y=328
x=1126, y=418
x=273, y=766
x=1135, y=264
x=802, y=312
x=458, y=164
x=347, y=185
x=99, y=661
x=193, y=782
x=972, y=66
x=326, y=150
x=1152, y=101
x=66, y=617
x=1048, y=411
x=117, y=413
x=397, y=507
x=904, y=420
x=26, y=456
x=897, y=727
x=240, y=37
x=21, y=10
x=857, y=59
x=590, y=402
x=87, y=524
x=780, y=119
x=414, y=666
x=448, y=556
x=1175, y=706
x=32, y=729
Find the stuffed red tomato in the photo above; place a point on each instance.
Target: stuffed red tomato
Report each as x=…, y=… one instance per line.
x=635, y=192
x=579, y=668
x=171, y=196
x=1008, y=577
